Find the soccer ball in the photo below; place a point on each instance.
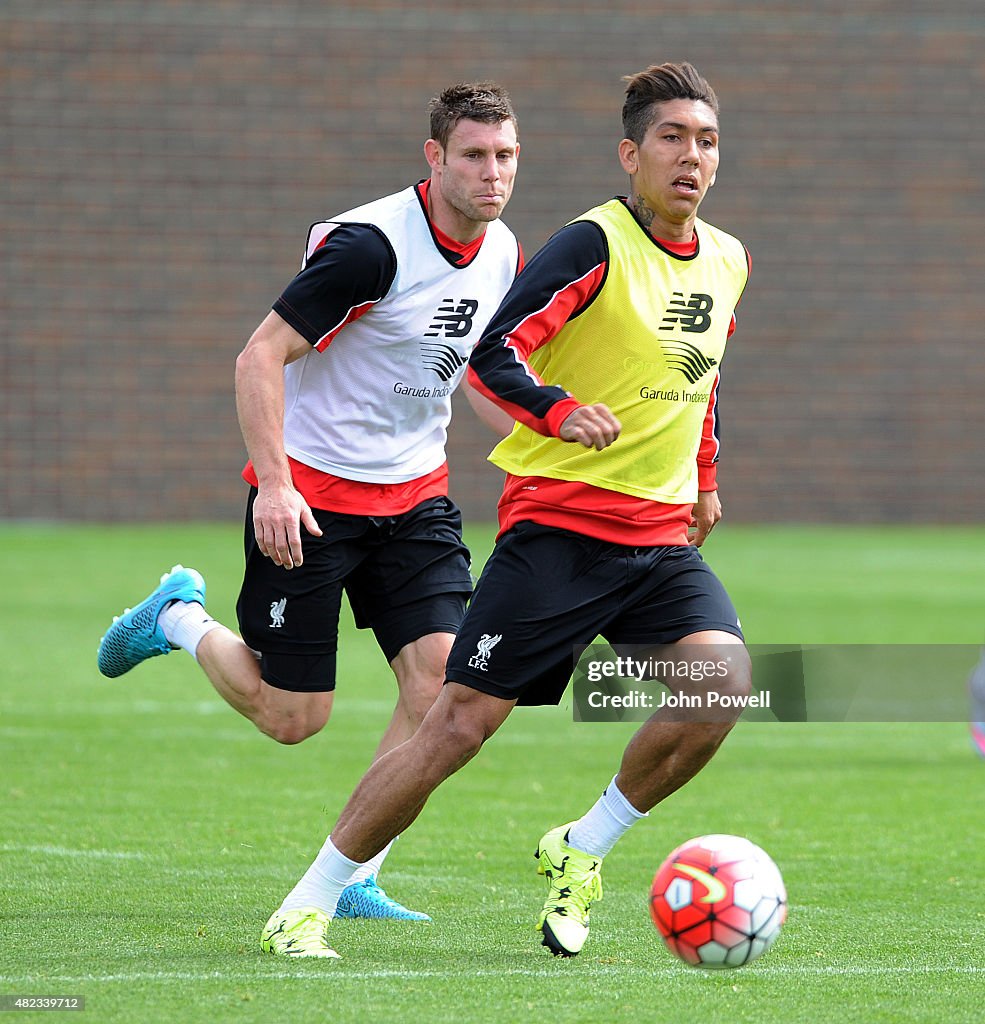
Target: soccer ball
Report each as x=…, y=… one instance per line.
x=718, y=901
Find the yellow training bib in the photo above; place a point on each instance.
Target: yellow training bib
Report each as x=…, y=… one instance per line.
x=648, y=347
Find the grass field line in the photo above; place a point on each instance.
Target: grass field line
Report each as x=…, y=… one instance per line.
x=105, y=708
x=204, y=708
x=552, y=971
x=64, y=851
x=220, y=870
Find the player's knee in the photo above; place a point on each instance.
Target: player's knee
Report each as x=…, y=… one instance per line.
x=737, y=681
x=420, y=672
x=290, y=733
x=418, y=697
x=462, y=734
x=296, y=724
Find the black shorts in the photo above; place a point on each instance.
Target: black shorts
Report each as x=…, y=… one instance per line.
x=545, y=591
x=406, y=576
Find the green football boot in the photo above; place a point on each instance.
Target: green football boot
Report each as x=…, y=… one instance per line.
x=301, y=932
x=575, y=884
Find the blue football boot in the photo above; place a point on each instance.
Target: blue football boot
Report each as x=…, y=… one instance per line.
x=136, y=635
x=367, y=899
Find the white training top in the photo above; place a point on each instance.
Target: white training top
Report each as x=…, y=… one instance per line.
x=372, y=400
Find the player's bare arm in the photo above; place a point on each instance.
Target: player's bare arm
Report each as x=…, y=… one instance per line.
x=593, y=426
x=705, y=516
x=279, y=509
x=496, y=419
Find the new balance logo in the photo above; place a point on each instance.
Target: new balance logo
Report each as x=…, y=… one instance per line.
x=480, y=659
x=442, y=359
x=690, y=313
x=277, y=613
x=453, y=321
x=691, y=361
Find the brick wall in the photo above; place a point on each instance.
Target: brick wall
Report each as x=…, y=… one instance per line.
x=161, y=162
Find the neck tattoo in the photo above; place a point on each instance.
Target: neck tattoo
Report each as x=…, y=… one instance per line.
x=643, y=212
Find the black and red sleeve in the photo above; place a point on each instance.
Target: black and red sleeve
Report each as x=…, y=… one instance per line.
x=344, y=278
x=711, y=438
x=559, y=283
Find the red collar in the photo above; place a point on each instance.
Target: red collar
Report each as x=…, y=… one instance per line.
x=465, y=251
x=680, y=248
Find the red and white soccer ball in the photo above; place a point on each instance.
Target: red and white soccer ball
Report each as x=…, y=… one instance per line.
x=718, y=901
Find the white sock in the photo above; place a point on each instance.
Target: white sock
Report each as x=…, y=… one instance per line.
x=185, y=623
x=372, y=866
x=323, y=882
x=600, y=829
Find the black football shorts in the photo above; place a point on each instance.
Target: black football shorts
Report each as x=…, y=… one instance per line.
x=406, y=576
x=545, y=591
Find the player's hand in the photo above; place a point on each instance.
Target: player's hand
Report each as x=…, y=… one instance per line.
x=277, y=517
x=705, y=515
x=594, y=426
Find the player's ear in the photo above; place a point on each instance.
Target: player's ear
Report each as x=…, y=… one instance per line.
x=629, y=156
x=714, y=177
x=433, y=153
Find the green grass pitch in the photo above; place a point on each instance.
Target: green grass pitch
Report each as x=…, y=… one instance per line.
x=146, y=831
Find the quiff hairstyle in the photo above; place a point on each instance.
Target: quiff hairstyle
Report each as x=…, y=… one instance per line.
x=485, y=102
x=657, y=84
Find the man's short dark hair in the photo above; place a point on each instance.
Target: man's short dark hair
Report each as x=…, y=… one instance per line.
x=657, y=84
x=485, y=102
